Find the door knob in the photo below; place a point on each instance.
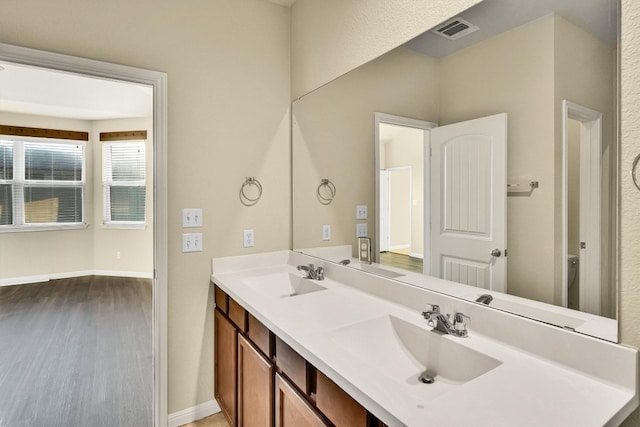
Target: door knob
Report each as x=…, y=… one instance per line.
x=496, y=252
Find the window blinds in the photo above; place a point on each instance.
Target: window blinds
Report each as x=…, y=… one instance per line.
x=124, y=182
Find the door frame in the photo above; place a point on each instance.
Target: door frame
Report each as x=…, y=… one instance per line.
x=418, y=124
x=590, y=261
x=158, y=81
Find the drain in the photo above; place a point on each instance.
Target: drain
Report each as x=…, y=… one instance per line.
x=426, y=378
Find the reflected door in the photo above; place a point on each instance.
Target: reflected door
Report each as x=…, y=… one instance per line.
x=468, y=212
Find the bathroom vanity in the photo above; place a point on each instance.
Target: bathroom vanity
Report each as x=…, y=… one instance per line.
x=354, y=349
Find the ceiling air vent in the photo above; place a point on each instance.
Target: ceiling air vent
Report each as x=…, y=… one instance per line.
x=455, y=29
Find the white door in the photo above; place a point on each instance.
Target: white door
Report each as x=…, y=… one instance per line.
x=469, y=202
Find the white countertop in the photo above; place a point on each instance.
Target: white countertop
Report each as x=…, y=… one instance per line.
x=526, y=389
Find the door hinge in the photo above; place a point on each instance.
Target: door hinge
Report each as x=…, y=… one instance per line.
x=583, y=245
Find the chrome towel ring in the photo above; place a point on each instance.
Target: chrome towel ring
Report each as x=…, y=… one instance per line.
x=246, y=199
x=326, y=191
x=633, y=171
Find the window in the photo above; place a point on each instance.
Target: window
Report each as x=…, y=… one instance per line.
x=124, y=183
x=42, y=183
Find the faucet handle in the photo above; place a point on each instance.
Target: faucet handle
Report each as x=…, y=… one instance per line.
x=320, y=273
x=435, y=309
x=458, y=321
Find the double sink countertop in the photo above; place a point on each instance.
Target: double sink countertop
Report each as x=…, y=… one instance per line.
x=366, y=333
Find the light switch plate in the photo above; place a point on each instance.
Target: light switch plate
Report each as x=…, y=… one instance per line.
x=361, y=230
x=191, y=217
x=192, y=242
x=361, y=212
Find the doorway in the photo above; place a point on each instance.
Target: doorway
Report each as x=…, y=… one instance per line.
x=158, y=82
x=402, y=188
x=581, y=208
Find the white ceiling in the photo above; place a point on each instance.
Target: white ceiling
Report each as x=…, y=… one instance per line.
x=599, y=17
x=40, y=91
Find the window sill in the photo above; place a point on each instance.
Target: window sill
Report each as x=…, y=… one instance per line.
x=41, y=227
x=124, y=226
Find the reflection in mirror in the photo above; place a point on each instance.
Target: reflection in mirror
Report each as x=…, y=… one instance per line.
x=549, y=71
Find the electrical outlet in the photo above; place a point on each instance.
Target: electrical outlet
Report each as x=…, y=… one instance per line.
x=364, y=250
x=361, y=230
x=248, y=240
x=361, y=212
x=326, y=232
x=192, y=242
x=191, y=218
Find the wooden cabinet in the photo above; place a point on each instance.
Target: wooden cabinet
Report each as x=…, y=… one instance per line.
x=225, y=366
x=292, y=410
x=255, y=386
x=337, y=405
x=260, y=380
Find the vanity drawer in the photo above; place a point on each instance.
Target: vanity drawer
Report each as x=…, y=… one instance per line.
x=238, y=315
x=222, y=300
x=260, y=336
x=292, y=365
x=340, y=408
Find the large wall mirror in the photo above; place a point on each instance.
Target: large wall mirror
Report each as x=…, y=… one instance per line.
x=483, y=152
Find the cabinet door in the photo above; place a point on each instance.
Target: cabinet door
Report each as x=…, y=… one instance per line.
x=340, y=408
x=226, y=338
x=292, y=410
x=255, y=386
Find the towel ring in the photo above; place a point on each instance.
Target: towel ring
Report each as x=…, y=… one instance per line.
x=633, y=171
x=244, y=198
x=326, y=199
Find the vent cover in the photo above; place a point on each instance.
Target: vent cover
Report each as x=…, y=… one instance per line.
x=455, y=29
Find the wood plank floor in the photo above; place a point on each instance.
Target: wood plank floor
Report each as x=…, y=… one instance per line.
x=76, y=352
x=399, y=260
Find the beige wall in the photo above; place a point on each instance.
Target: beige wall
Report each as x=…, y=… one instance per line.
x=41, y=253
x=629, y=231
x=90, y=249
x=338, y=142
x=590, y=87
x=407, y=149
x=135, y=247
x=513, y=73
x=228, y=101
x=332, y=37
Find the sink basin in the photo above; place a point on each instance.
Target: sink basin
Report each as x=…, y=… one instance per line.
x=283, y=285
x=406, y=351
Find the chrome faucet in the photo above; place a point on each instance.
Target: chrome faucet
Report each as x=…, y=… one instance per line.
x=484, y=299
x=441, y=322
x=312, y=272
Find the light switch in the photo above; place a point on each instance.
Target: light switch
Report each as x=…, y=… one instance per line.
x=361, y=212
x=192, y=242
x=361, y=230
x=191, y=218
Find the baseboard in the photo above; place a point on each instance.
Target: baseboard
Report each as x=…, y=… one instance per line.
x=70, y=274
x=194, y=413
x=398, y=247
x=416, y=255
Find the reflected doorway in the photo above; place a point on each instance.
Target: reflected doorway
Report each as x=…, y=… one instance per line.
x=402, y=163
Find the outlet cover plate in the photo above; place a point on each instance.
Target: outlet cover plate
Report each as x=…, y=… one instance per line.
x=248, y=239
